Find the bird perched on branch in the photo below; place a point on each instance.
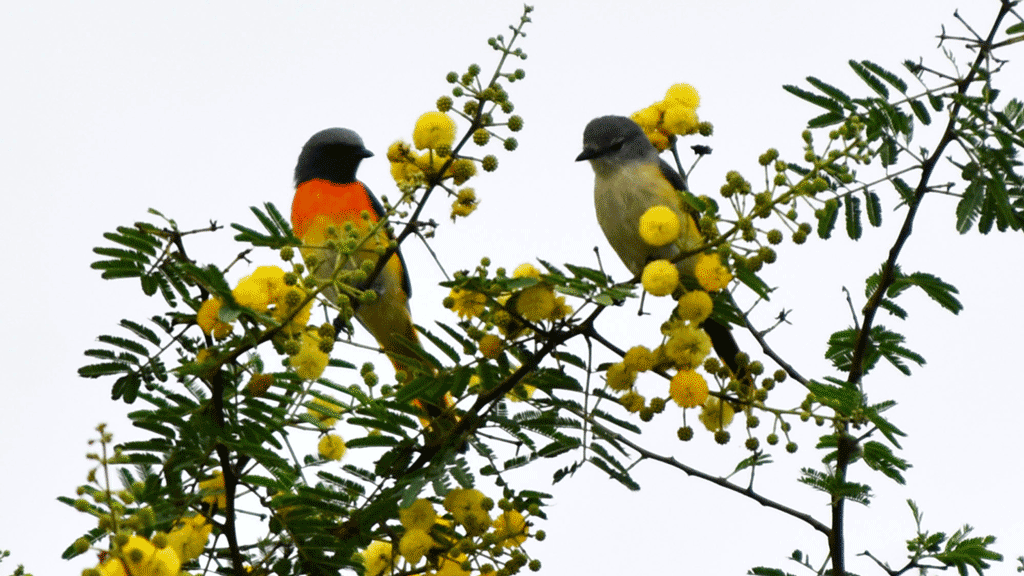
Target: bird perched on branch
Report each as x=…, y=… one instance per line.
x=629, y=178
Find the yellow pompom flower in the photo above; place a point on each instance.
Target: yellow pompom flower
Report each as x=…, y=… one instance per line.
x=143, y=559
x=466, y=507
x=419, y=515
x=536, y=303
x=526, y=270
x=648, y=118
x=620, y=377
x=490, y=346
x=695, y=306
x=433, y=130
x=310, y=362
x=710, y=273
x=259, y=289
x=683, y=94
x=511, y=529
x=331, y=447
x=632, y=401
x=468, y=303
x=688, y=388
x=461, y=170
x=660, y=278
x=415, y=544
x=452, y=566
x=208, y=320
x=638, y=359
x=325, y=416
x=430, y=164
x=659, y=226
x=715, y=414
x=399, y=151
x=681, y=120
x=658, y=139
x=465, y=203
x=377, y=559
x=407, y=173
x=189, y=537
x=213, y=490
x=561, y=309
x=112, y=567
x=687, y=346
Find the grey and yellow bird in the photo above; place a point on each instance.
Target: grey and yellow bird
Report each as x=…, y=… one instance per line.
x=629, y=178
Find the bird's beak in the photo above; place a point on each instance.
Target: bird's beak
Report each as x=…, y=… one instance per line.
x=587, y=154
x=365, y=153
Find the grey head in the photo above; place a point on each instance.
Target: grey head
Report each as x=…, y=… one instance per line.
x=610, y=142
x=333, y=154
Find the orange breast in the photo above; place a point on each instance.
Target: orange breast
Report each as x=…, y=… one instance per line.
x=321, y=203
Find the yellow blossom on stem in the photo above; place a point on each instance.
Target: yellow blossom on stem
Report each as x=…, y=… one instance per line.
x=715, y=414
x=659, y=226
x=648, y=118
x=536, y=303
x=377, y=559
x=466, y=507
x=310, y=362
x=468, y=303
x=331, y=447
x=683, y=94
x=561, y=309
x=710, y=273
x=452, y=566
x=415, y=544
x=681, y=120
x=465, y=203
x=189, y=537
x=490, y=346
x=687, y=345
x=420, y=514
x=620, y=377
x=433, y=130
x=695, y=306
x=209, y=321
x=399, y=151
x=143, y=559
x=526, y=270
x=688, y=388
x=430, y=163
x=632, y=401
x=112, y=567
x=407, y=172
x=660, y=278
x=658, y=139
x=638, y=359
x=286, y=303
x=510, y=528
x=213, y=489
x=259, y=289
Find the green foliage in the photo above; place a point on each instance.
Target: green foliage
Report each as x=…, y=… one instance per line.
x=464, y=417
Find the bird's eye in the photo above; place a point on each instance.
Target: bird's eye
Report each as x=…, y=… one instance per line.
x=615, y=146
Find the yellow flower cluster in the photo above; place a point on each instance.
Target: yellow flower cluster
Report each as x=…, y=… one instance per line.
x=469, y=510
x=189, y=537
x=310, y=361
x=676, y=114
x=435, y=133
x=538, y=302
x=686, y=346
x=331, y=447
x=213, y=490
x=142, y=558
x=660, y=278
x=688, y=389
x=264, y=291
x=659, y=226
x=711, y=274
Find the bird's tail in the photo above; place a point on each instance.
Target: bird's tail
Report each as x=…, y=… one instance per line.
x=725, y=346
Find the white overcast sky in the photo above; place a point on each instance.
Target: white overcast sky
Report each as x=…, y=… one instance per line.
x=199, y=110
